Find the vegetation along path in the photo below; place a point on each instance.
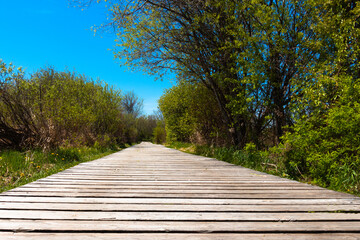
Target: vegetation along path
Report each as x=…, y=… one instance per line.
x=152, y=192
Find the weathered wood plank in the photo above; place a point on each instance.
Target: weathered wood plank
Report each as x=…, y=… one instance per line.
x=167, y=187
x=154, y=189
x=115, y=181
x=327, y=201
x=176, y=216
x=176, y=236
x=256, y=195
x=179, y=226
x=177, y=207
x=60, y=182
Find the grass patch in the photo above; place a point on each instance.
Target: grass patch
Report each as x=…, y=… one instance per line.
x=19, y=168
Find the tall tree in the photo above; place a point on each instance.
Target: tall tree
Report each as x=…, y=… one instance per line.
x=324, y=142
x=189, y=37
x=132, y=104
x=284, y=50
x=251, y=54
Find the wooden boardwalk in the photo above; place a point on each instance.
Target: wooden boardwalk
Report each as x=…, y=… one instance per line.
x=152, y=192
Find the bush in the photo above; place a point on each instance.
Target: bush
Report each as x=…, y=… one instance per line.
x=159, y=135
x=192, y=115
x=324, y=146
x=326, y=150
x=53, y=109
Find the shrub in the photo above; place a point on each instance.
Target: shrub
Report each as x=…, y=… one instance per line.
x=52, y=109
x=324, y=147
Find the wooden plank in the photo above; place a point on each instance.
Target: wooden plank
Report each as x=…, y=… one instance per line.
x=176, y=216
x=183, y=182
x=256, y=195
x=179, y=226
x=104, y=200
x=160, y=178
x=177, y=207
x=136, y=181
x=127, y=172
x=45, y=182
x=167, y=187
x=175, y=236
x=116, y=168
x=157, y=190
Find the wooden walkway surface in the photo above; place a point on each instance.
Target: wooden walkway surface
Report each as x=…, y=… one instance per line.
x=152, y=192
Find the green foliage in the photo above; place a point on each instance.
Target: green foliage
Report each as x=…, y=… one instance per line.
x=145, y=126
x=159, y=134
x=174, y=104
x=54, y=109
x=250, y=72
x=325, y=145
x=69, y=154
x=191, y=114
x=252, y=56
x=138, y=127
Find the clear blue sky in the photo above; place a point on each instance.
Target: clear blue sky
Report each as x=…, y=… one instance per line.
x=39, y=33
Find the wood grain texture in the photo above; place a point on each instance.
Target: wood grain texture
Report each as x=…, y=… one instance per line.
x=152, y=192
x=177, y=236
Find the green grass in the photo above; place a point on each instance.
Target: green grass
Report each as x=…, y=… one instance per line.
x=19, y=168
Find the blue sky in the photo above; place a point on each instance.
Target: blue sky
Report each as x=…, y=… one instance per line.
x=39, y=33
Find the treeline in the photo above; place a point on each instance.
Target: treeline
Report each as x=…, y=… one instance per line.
x=52, y=109
x=261, y=73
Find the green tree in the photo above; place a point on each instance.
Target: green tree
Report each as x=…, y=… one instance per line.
x=174, y=104
x=251, y=55
x=324, y=141
x=159, y=133
x=16, y=120
x=187, y=37
x=191, y=114
x=146, y=126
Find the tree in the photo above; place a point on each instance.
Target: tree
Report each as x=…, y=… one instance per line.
x=282, y=52
x=132, y=104
x=159, y=134
x=145, y=126
x=324, y=144
x=184, y=36
x=175, y=104
x=247, y=53
x=191, y=115
x=16, y=121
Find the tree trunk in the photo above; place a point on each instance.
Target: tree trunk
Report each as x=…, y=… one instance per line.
x=237, y=137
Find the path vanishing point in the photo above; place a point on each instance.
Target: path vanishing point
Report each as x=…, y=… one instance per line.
x=152, y=192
